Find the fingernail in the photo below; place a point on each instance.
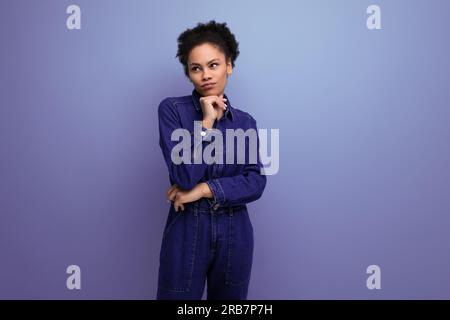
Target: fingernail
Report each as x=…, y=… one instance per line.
x=225, y=99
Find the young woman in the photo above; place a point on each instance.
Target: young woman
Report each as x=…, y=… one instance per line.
x=208, y=235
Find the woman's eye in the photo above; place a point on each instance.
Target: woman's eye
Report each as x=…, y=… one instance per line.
x=194, y=69
x=214, y=64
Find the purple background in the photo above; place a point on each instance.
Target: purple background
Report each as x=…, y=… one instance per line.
x=364, y=125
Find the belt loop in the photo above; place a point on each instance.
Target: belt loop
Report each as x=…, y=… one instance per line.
x=231, y=211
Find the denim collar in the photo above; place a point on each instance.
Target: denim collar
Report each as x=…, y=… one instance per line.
x=196, y=98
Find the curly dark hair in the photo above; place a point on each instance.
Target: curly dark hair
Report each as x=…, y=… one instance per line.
x=211, y=32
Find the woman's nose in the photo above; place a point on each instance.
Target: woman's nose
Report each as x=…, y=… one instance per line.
x=206, y=76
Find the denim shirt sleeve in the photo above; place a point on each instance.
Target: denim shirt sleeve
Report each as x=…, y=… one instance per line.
x=186, y=176
x=242, y=188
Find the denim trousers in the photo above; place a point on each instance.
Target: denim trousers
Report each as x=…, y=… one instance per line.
x=202, y=244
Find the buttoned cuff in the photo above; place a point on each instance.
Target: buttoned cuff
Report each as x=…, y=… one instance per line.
x=217, y=191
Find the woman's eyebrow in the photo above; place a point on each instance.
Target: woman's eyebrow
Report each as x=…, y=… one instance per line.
x=195, y=63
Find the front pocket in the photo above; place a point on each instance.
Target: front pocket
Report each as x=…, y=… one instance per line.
x=240, y=248
x=178, y=251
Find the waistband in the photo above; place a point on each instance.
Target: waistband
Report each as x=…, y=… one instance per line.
x=207, y=205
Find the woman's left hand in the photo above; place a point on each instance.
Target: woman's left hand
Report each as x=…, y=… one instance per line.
x=180, y=196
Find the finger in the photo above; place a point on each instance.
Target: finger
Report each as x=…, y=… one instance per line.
x=169, y=193
x=175, y=190
x=225, y=103
x=173, y=195
x=216, y=102
x=170, y=189
x=179, y=206
x=208, y=101
x=221, y=103
x=179, y=201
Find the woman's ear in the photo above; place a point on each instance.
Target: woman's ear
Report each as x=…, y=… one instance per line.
x=229, y=71
x=229, y=67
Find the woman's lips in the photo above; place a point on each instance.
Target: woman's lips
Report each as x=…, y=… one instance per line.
x=208, y=86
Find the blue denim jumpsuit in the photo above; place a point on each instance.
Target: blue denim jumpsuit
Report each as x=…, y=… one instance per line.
x=212, y=239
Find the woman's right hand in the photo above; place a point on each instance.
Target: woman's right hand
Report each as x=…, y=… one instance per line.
x=213, y=107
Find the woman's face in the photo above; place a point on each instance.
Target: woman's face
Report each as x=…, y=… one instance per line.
x=208, y=69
